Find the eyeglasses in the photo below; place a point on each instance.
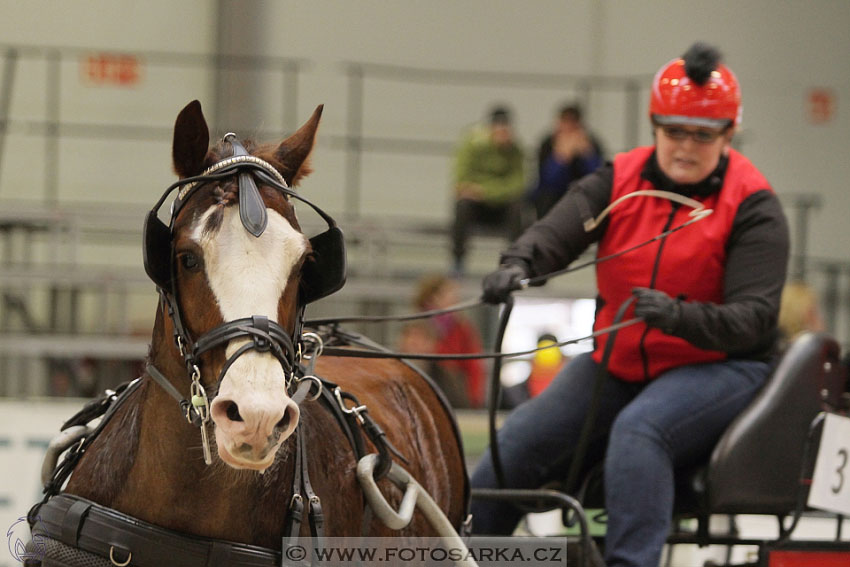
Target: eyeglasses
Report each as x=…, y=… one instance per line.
x=701, y=136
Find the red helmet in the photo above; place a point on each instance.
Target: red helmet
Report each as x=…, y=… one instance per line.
x=677, y=98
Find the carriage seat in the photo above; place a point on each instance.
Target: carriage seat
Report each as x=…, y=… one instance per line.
x=757, y=464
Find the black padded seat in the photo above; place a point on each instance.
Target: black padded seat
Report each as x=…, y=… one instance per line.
x=755, y=467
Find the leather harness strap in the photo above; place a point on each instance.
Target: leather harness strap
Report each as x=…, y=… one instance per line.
x=302, y=490
x=73, y=521
x=296, y=503
x=88, y=526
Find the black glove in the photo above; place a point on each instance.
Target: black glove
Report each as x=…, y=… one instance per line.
x=657, y=309
x=498, y=285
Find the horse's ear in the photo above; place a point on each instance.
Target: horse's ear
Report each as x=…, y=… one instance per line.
x=294, y=151
x=191, y=141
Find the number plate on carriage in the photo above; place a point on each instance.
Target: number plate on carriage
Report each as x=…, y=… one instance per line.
x=831, y=480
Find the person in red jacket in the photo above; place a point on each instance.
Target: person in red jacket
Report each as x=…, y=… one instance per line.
x=454, y=334
x=707, y=296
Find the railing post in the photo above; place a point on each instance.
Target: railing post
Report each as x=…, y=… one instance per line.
x=9, y=66
x=830, y=296
x=290, y=96
x=51, y=136
x=633, y=113
x=802, y=205
x=353, y=141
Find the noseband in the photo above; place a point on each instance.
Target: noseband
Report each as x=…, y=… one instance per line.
x=263, y=335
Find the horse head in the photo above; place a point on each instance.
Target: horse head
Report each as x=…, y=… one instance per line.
x=232, y=281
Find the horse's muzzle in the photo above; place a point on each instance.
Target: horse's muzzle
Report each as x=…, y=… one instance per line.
x=249, y=434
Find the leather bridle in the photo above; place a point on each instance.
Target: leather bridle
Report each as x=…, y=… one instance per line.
x=263, y=335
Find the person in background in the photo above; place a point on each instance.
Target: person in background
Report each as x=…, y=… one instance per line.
x=706, y=297
x=489, y=180
x=569, y=153
x=454, y=334
x=545, y=365
x=421, y=337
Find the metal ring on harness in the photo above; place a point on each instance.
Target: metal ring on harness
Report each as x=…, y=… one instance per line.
x=315, y=380
x=116, y=562
x=74, y=435
x=315, y=339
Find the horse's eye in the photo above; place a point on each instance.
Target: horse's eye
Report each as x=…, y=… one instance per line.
x=190, y=261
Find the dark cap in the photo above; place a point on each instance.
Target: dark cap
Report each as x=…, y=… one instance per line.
x=500, y=115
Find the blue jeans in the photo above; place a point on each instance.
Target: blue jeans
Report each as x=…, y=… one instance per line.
x=643, y=431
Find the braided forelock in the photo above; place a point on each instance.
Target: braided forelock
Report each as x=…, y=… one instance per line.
x=227, y=194
x=224, y=196
x=700, y=60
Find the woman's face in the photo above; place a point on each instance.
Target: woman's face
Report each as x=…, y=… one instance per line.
x=688, y=154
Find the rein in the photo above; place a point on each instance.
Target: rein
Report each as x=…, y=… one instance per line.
x=364, y=353
x=698, y=213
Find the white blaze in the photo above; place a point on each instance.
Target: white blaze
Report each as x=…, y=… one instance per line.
x=247, y=276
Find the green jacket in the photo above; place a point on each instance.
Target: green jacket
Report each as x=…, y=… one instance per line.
x=499, y=171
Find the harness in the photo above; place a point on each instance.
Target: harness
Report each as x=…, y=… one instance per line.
x=74, y=525
x=85, y=527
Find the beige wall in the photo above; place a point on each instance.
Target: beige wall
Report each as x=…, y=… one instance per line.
x=779, y=49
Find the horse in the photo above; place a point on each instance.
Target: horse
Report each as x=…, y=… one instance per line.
x=235, y=271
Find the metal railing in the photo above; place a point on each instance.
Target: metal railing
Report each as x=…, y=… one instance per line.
x=47, y=283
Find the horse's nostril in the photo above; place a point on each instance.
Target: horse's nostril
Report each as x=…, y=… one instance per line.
x=284, y=421
x=233, y=412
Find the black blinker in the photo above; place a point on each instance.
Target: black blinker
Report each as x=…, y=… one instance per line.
x=325, y=272
x=157, y=250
